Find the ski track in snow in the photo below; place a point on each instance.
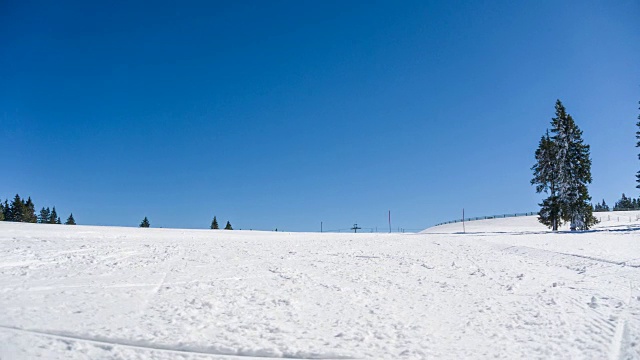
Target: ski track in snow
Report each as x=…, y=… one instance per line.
x=108, y=344
x=507, y=288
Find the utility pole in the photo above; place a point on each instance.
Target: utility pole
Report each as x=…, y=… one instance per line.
x=389, y=221
x=320, y=226
x=464, y=230
x=355, y=228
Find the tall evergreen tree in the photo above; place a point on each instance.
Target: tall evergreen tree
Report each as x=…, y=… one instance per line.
x=53, y=217
x=228, y=227
x=1, y=212
x=70, y=220
x=214, y=223
x=574, y=165
x=29, y=211
x=145, y=223
x=564, y=165
x=45, y=216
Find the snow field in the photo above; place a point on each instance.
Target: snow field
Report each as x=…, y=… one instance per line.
x=507, y=288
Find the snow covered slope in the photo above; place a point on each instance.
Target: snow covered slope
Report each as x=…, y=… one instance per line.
x=608, y=220
x=507, y=288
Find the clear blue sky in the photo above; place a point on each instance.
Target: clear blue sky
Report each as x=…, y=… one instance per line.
x=282, y=114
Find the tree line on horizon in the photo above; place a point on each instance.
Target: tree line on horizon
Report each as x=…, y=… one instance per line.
x=563, y=171
x=21, y=210
x=214, y=224
x=623, y=204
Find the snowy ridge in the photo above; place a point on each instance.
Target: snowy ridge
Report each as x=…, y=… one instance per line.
x=610, y=220
x=507, y=288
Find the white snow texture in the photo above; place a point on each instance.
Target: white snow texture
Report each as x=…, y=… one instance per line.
x=508, y=288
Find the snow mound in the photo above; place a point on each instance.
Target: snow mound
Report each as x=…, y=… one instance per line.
x=507, y=288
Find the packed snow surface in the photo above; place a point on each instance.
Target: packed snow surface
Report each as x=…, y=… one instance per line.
x=506, y=288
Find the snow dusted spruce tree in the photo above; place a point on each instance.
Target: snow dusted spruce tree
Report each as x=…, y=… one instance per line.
x=563, y=170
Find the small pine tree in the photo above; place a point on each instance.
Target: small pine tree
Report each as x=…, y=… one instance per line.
x=601, y=207
x=45, y=216
x=214, y=224
x=70, y=220
x=1, y=212
x=7, y=210
x=16, y=212
x=53, y=217
x=29, y=211
x=58, y=221
x=228, y=227
x=145, y=223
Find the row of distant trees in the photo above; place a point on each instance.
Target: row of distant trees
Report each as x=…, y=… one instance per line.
x=214, y=224
x=625, y=203
x=21, y=210
x=563, y=171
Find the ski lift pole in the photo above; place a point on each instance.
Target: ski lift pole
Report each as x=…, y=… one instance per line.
x=464, y=230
